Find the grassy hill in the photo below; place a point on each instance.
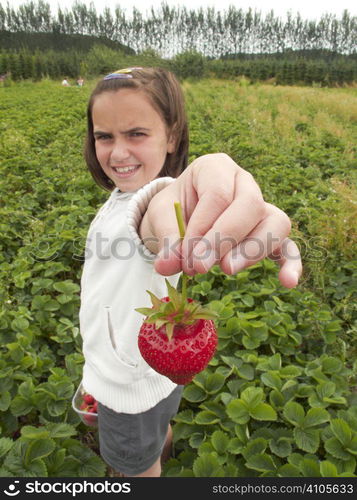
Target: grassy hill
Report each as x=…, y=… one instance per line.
x=57, y=42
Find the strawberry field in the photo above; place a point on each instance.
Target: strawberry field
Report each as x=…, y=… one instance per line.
x=279, y=397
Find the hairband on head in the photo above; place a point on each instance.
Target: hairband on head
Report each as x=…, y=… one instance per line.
x=121, y=73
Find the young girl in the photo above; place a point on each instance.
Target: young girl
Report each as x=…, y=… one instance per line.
x=137, y=148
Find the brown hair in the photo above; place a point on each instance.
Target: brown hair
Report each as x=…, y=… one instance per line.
x=166, y=96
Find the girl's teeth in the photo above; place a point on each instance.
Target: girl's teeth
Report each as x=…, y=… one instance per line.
x=125, y=169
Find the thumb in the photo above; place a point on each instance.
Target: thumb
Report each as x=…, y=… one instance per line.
x=169, y=258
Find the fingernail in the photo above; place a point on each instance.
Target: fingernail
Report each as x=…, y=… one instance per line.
x=237, y=263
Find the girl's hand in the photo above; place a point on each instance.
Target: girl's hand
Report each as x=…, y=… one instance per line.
x=228, y=223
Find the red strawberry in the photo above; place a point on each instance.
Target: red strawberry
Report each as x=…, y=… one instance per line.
x=88, y=398
x=90, y=419
x=178, y=337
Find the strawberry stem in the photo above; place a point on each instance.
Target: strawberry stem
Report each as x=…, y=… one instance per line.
x=182, y=230
x=180, y=220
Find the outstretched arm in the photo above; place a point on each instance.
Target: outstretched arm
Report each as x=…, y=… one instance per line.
x=228, y=223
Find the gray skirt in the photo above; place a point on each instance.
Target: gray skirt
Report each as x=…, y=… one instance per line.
x=131, y=443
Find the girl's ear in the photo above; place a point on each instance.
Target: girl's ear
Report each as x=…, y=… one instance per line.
x=171, y=143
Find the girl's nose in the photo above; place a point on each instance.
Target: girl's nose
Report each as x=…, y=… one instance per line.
x=120, y=152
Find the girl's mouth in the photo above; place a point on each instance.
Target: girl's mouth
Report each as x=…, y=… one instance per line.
x=124, y=172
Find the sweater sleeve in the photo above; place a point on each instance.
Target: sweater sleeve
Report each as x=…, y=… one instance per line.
x=137, y=208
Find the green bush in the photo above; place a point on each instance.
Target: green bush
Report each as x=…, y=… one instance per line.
x=189, y=65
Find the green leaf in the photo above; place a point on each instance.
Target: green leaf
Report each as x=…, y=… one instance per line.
x=60, y=430
x=327, y=469
x=272, y=380
x=194, y=394
x=181, y=431
x=57, y=408
x=276, y=399
x=232, y=361
x=275, y=362
x=214, y=383
x=174, y=295
x=352, y=446
x=309, y=467
x=280, y=447
x=288, y=470
x=5, y=400
x=39, y=449
x=237, y=410
x=92, y=467
x=206, y=418
x=30, y=432
x=316, y=416
x=326, y=389
x=144, y=310
x=342, y=431
x=207, y=465
x=290, y=371
x=66, y=287
x=261, y=462
x=235, y=446
x=252, y=396
x=247, y=300
x=156, y=302
x=5, y=446
x=336, y=449
x=263, y=411
x=307, y=439
x=220, y=441
x=20, y=406
x=294, y=413
x=246, y=372
x=15, y=463
x=206, y=447
x=185, y=416
x=331, y=365
x=37, y=468
x=54, y=461
x=255, y=447
x=295, y=459
x=196, y=439
x=86, y=464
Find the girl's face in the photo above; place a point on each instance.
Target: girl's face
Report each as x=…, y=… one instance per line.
x=131, y=138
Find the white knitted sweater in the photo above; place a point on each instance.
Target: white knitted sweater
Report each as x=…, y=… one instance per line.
x=118, y=270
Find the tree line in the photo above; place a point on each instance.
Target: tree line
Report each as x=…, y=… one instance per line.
x=100, y=59
x=171, y=30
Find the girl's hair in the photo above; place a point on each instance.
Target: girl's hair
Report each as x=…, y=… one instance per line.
x=166, y=96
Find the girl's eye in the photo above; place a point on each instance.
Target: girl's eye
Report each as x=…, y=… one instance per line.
x=137, y=134
x=102, y=137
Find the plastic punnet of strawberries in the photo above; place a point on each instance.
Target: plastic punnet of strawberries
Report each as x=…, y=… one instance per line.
x=178, y=337
x=90, y=407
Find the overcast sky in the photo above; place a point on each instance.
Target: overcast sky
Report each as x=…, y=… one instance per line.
x=311, y=9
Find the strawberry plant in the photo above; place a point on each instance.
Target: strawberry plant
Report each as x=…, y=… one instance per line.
x=273, y=401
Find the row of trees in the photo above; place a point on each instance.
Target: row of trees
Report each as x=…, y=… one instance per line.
x=100, y=60
x=172, y=30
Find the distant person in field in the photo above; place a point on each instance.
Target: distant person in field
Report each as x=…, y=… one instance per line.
x=65, y=82
x=80, y=82
x=137, y=148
